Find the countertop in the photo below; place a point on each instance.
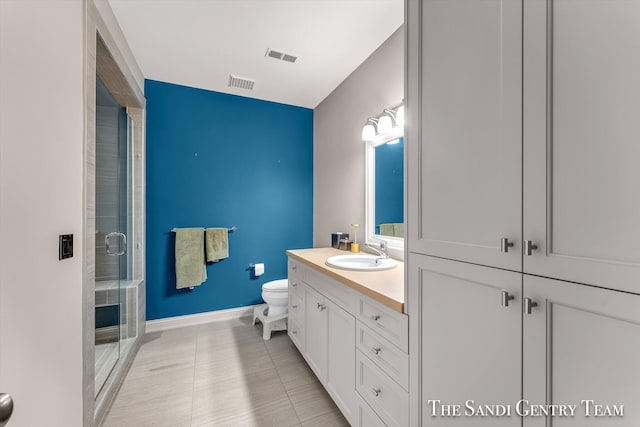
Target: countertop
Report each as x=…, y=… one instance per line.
x=386, y=286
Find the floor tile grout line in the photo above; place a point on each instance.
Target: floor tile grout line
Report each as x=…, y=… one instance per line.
x=283, y=386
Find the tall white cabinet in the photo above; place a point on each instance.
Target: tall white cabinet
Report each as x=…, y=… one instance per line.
x=523, y=149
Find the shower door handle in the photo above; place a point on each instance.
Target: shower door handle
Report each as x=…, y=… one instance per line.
x=6, y=408
x=107, y=243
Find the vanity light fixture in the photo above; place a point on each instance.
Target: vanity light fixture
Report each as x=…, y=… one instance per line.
x=384, y=124
x=369, y=130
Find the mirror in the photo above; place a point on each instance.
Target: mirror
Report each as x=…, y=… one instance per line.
x=385, y=191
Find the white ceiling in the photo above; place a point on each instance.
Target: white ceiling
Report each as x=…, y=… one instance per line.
x=199, y=43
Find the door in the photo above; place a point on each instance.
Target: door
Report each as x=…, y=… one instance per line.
x=341, y=360
x=470, y=335
x=581, y=151
x=316, y=333
x=581, y=343
x=465, y=166
x=113, y=220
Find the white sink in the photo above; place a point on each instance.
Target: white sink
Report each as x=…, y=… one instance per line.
x=361, y=262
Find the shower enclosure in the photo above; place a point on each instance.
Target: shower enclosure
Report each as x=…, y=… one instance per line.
x=115, y=327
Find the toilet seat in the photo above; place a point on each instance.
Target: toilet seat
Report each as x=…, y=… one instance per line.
x=281, y=285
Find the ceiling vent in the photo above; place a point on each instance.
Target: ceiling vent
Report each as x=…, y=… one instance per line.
x=280, y=55
x=241, y=82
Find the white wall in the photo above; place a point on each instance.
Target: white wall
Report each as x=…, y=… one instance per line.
x=41, y=196
x=339, y=152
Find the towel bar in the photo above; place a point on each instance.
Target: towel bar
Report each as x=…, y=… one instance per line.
x=230, y=230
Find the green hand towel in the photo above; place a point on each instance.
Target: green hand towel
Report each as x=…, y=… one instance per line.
x=190, y=263
x=386, y=229
x=217, y=244
x=398, y=229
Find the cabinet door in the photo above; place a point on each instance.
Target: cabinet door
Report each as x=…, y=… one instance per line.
x=341, y=365
x=581, y=343
x=470, y=343
x=465, y=156
x=316, y=333
x=581, y=133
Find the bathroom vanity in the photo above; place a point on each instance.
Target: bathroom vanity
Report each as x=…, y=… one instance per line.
x=350, y=328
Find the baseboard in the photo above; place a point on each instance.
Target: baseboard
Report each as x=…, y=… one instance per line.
x=198, y=319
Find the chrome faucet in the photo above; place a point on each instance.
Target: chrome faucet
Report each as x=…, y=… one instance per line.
x=383, y=252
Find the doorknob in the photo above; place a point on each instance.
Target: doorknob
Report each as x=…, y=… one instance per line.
x=6, y=408
x=529, y=247
x=107, y=243
x=505, y=244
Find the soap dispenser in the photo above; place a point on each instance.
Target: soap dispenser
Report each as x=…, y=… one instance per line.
x=355, y=246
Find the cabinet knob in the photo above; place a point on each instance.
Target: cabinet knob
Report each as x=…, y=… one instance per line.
x=294, y=332
x=293, y=267
x=505, y=244
x=294, y=284
x=506, y=298
x=375, y=350
x=294, y=306
x=321, y=307
x=376, y=391
x=528, y=305
x=375, y=317
x=529, y=247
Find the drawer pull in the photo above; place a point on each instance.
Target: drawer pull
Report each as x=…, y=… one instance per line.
x=375, y=350
x=294, y=306
x=294, y=284
x=376, y=391
x=294, y=332
x=375, y=317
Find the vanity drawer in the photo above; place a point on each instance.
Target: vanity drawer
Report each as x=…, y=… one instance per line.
x=389, y=401
x=296, y=269
x=296, y=306
x=296, y=286
x=392, y=325
x=296, y=333
x=339, y=293
x=387, y=356
x=365, y=417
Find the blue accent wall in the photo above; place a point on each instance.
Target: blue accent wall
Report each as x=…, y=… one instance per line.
x=219, y=160
x=389, y=180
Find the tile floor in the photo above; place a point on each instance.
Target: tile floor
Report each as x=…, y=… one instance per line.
x=221, y=374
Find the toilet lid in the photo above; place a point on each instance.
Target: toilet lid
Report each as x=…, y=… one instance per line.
x=276, y=285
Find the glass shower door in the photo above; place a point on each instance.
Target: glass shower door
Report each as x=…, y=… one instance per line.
x=112, y=222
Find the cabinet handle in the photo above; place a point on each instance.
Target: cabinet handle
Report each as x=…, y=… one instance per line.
x=505, y=244
x=528, y=305
x=506, y=298
x=375, y=317
x=376, y=391
x=294, y=306
x=375, y=350
x=529, y=247
x=294, y=332
x=293, y=267
x=294, y=284
x=321, y=306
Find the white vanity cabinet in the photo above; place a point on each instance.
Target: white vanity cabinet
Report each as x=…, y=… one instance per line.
x=356, y=346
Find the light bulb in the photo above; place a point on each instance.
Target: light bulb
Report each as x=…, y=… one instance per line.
x=384, y=124
x=368, y=132
x=400, y=116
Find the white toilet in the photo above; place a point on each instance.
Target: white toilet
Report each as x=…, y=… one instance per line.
x=273, y=314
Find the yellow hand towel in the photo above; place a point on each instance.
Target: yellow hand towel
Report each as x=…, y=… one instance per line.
x=190, y=263
x=217, y=244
